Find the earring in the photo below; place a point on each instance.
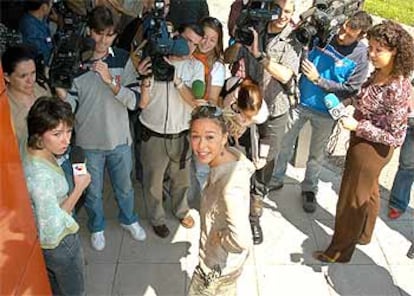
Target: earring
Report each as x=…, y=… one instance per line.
x=222, y=151
x=40, y=144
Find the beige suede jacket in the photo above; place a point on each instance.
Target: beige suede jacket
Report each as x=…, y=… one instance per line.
x=225, y=229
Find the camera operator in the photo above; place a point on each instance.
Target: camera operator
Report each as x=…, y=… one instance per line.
x=165, y=117
x=34, y=27
x=101, y=99
x=339, y=68
x=274, y=68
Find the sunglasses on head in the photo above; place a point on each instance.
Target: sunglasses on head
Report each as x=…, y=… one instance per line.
x=206, y=111
x=211, y=20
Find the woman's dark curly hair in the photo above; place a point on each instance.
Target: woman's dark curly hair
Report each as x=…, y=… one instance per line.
x=393, y=36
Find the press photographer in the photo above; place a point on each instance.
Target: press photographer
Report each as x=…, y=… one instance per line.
x=255, y=15
x=322, y=74
x=165, y=117
x=272, y=60
x=319, y=24
x=34, y=26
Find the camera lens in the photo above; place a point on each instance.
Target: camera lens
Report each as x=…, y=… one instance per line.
x=305, y=33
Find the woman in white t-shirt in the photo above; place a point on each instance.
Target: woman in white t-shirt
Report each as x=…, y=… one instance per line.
x=210, y=53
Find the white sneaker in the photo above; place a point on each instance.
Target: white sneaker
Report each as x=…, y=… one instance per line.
x=136, y=231
x=98, y=240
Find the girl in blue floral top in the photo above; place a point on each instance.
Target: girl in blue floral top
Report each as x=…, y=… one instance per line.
x=50, y=122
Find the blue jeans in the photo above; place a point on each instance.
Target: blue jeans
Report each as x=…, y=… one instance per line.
x=119, y=164
x=401, y=188
x=321, y=130
x=65, y=266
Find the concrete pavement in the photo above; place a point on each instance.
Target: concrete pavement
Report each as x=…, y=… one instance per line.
x=282, y=265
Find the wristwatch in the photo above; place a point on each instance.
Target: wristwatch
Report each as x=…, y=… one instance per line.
x=317, y=80
x=113, y=82
x=179, y=84
x=261, y=57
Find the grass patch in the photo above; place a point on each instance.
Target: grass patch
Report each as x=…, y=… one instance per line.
x=401, y=11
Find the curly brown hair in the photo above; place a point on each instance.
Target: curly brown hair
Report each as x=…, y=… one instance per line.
x=394, y=36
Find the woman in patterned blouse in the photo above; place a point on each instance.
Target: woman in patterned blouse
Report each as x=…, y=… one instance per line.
x=49, y=123
x=378, y=126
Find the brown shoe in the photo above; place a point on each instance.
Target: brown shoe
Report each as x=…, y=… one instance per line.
x=321, y=256
x=161, y=230
x=187, y=221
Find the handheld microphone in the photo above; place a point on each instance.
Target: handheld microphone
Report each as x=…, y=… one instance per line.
x=198, y=88
x=335, y=108
x=77, y=158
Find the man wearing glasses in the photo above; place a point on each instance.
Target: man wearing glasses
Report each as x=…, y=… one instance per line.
x=165, y=150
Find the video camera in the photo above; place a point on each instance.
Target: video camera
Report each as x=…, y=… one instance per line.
x=72, y=47
x=160, y=43
x=256, y=14
x=321, y=22
x=8, y=37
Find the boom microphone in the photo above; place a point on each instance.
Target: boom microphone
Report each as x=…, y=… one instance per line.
x=335, y=108
x=198, y=88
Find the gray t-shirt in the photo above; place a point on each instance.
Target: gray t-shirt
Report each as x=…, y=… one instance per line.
x=101, y=117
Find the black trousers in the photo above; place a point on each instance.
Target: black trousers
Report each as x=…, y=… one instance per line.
x=271, y=132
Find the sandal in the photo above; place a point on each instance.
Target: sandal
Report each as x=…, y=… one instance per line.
x=187, y=221
x=321, y=256
x=393, y=213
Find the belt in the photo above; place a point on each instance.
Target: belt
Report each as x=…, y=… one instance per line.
x=148, y=133
x=209, y=275
x=166, y=136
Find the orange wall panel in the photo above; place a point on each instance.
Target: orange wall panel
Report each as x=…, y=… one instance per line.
x=22, y=268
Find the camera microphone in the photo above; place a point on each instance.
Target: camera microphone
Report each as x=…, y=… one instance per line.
x=198, y=89
x=179, y=47
x=78, y=159
x=335, y=108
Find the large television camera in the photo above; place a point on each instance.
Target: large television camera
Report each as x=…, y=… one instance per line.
x=72, y=47
x=8, y=37
x=161, y=44
x=321, y=22
x=256, y=14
